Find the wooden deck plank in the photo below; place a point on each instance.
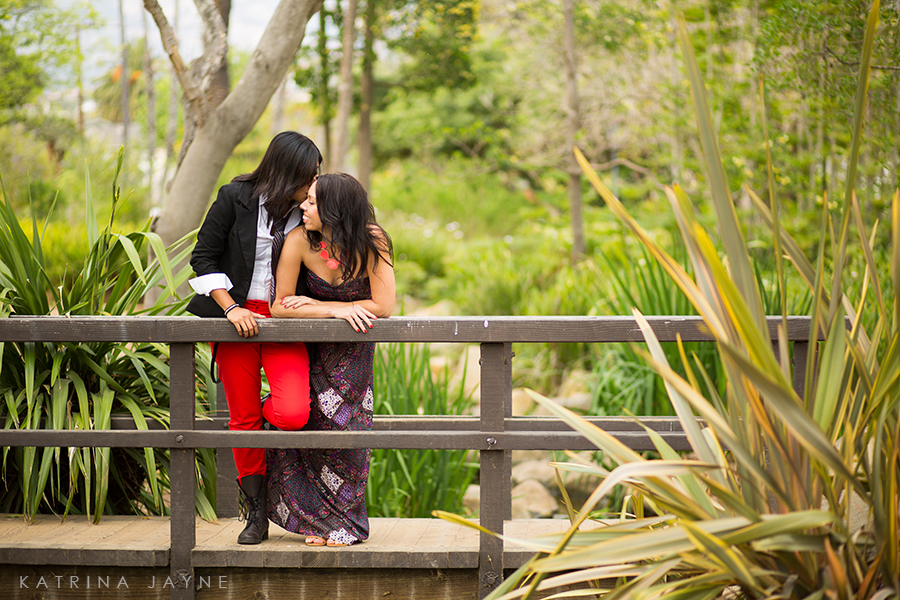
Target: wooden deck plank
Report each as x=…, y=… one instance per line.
x=99, y=542
x=404, y=542
x=131, y=541
x=212, y=551
x=373, y=552
x=464, y=553
x=44, y=541
x=121, y=549
x=435, y=545
x=150, y=548
x=283, y=548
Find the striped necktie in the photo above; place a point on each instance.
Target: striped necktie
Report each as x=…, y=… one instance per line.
x=277, y=244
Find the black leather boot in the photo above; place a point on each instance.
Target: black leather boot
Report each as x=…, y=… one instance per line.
x=257, y=528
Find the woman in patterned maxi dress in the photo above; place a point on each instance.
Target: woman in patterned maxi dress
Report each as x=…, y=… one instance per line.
x=321, y=493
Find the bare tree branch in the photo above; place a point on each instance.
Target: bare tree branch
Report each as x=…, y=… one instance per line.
x=215, y=44
x=848, y=63
x=228, y=124
x=170, y=44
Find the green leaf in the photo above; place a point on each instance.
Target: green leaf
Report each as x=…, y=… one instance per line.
x=831, y=371
x=90, y=216
x=732, y=237
x=133, y=256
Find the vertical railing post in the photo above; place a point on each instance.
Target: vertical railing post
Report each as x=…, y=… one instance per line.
x=496, y=402
x=183, y=532
x=801, y=353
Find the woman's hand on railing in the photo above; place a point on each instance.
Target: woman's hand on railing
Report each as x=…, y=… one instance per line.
x=359, y=317
x=244, y=321
x=297, y=301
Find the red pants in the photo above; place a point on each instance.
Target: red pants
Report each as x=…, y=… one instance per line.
x=287, y=369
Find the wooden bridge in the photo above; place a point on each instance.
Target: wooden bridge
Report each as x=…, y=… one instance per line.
x=183, y=558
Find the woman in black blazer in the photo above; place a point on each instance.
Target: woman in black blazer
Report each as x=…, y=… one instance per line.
x=235, y=256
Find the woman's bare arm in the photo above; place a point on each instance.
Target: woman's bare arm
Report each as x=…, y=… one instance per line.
x=359, y=314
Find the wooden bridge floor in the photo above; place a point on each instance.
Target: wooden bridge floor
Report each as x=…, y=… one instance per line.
x=128, y=541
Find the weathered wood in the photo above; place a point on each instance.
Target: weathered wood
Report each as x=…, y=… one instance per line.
x=450, y=423
x=580, y=329
x=405, y=544
x=339, y=584
x=67, y=582
x=393, y=543
x=494, y=472
x=102, y=540
x=136, y=541
x=79, y=582
x=182, y=470
x=450, y=440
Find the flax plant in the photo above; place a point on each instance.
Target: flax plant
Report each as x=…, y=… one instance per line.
x=786, y=495
x=47, y=385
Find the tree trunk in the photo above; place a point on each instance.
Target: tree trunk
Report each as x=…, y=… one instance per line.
x=324, y=93
x=368, y=98
x=280, y=100
x=225, y=127
x=345, y=91
x=572, y=126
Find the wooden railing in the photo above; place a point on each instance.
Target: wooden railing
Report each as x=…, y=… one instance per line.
x=494, y=433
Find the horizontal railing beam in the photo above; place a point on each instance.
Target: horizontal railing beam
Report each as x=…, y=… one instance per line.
x=438, y=423
x=444, y=440
x=395, y=329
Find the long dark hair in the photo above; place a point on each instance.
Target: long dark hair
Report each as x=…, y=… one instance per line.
x=291, y=161
x=344, y=206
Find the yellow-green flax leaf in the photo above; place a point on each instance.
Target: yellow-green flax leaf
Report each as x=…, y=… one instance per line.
x=859, y=115
x=783, y=402
x=831, y=372
x=655, y=544
x=729, y=558
x=866, y=244
x=679, y=276
x=895, y=255
x=133, y=256
x=729, y=227
x=681, y=406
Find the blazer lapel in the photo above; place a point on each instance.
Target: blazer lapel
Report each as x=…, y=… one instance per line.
x=246, y=216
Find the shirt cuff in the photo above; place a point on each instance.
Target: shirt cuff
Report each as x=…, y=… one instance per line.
x=211, y=281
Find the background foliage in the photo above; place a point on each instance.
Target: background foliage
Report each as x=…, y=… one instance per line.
x=470, y=158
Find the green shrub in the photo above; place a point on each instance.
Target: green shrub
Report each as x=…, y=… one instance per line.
x=80, y=386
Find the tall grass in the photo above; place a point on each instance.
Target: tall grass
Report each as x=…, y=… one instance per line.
x=412, y=483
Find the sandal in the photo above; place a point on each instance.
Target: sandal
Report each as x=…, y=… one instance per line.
x=314, y=540
x=335, y=544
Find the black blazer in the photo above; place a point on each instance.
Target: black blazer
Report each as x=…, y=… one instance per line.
x=226, y=243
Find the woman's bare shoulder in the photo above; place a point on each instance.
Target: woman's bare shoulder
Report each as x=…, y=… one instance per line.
x=378, y=234
x=297, y=237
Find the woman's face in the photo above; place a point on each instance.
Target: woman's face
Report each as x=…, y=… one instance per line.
x=310, y=211
x=301, y=194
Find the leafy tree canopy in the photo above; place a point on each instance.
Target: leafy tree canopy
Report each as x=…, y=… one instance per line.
x=38, y=46
x=437, y=38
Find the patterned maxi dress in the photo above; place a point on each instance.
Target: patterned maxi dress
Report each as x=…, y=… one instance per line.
x=323, y=492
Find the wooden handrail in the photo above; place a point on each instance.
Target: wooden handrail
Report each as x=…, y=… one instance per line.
x=494, y=433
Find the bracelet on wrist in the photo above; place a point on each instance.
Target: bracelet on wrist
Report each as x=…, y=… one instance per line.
x=232, y=307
